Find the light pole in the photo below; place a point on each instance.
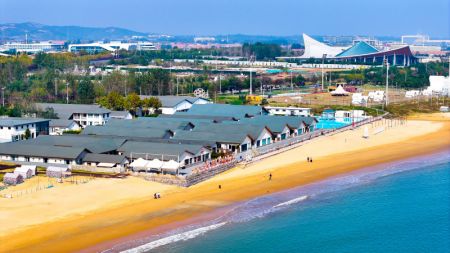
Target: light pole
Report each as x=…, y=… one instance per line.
x=323, y=62
x=292, y=85
x=387, y=82
x=220, y=82
x=3, y=96
x=67, y=93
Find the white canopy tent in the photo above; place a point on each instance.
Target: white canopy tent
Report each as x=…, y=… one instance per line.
x=33, y=168
x=139, y=163
x=171, y=166
x=340, y=91
x=25, y=172
x=155, y=164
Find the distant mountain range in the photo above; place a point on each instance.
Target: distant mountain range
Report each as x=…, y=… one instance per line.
x=38, y=32
x=41, y=32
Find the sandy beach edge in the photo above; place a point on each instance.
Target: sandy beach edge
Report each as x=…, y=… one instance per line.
x=98, y=230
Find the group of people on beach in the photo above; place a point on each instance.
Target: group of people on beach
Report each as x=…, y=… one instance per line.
x=157, y=195
x=309, y=159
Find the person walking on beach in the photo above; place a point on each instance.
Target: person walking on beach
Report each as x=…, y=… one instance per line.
x=154, y=195
x=270, y=176
x=307, y=158
x=220, y=186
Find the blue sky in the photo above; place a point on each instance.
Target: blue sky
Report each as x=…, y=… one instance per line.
x=262, y=17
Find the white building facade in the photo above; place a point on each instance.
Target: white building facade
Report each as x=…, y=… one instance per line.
x=15, y=129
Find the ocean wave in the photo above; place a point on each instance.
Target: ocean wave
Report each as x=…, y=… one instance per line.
x=275, y=202
x=292, y=201
x=174, y=238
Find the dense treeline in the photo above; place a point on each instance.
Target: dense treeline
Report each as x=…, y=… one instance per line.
x=415, y=76
x=262, y=51
x=58, y=77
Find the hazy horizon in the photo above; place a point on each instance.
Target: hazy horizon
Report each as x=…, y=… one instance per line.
x=251, y=17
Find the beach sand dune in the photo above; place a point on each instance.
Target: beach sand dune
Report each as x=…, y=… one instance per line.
x=101, y=212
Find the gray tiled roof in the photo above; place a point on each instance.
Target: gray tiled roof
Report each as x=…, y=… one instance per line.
x=171, y=101
x=156, y=123
x=92, y=143
x=224, y=110
x=211, y=137
x=26, y=149
x=172, y=149
x=61, y=122
x=228, y=130
x=103, y=158
x=127, y=132
x=119, y=114
x=277, y=123
x=12, y=121
x=198, y=118
x=65, y=111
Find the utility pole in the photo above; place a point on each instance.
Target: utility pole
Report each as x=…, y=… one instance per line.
x=387, y=82
x=251, y=88
x=292, y=85
x=251, y=81
x=3, y=96
x=220, y=82
x=67, y=93
x=177, y=85
x=323, y=62
x=56, y=89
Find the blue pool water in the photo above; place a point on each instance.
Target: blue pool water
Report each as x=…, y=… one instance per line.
x=332, y=124
x=398, y=207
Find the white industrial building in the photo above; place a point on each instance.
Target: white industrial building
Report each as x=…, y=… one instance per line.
x=14, y=129
x=113, y=46
x=32, y=48
x=173, y=104
x=84, y=115
x=288, y=111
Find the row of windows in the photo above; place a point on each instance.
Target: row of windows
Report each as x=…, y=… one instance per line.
x=19, y=127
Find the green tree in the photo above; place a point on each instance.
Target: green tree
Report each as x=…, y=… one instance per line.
x=132, y=102
x=85, y=91
x=113, y=101
x=27, y=134
x=151, y=103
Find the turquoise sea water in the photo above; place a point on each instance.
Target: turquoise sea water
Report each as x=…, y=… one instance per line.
x=397, y=207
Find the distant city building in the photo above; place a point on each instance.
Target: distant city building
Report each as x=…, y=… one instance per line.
x=99, y=47
x=316, y=49
x=360, y=53
x=32, y=48
x=204, y=39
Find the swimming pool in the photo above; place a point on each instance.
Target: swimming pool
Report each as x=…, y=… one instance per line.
x=332, y=124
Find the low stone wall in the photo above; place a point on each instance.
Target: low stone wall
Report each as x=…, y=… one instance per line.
x=97, y=169
x=186, y=181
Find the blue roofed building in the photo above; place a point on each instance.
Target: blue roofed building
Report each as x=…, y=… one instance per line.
x=360, y=48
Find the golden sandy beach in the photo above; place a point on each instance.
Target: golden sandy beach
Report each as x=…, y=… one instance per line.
x=72, y=217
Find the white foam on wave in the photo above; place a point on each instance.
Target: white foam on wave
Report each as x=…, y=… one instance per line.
x=174, y=238
x=292, y=201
